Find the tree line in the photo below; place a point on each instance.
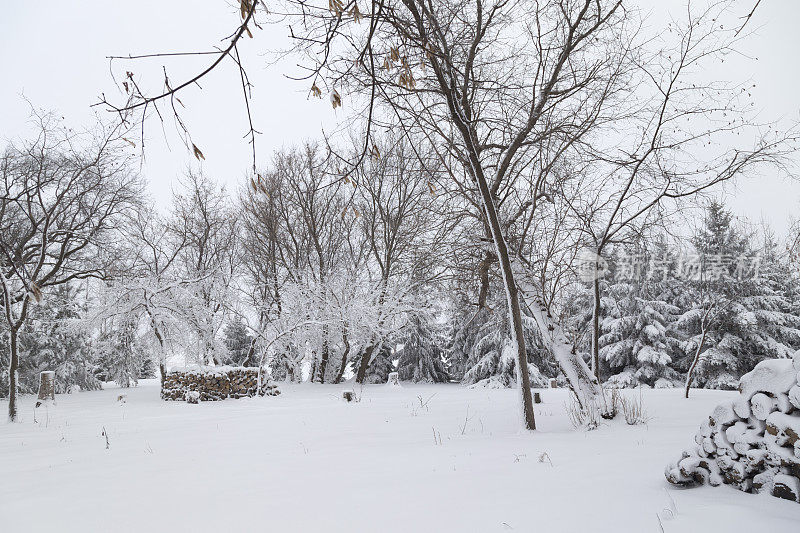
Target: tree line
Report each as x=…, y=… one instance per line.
x=321, y=279
x=493, y=142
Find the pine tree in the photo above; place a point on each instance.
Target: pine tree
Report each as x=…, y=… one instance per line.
x=636, y=345
x=382, y=364
x=121, y=354
x=238, y=342
x=489, y=362
x=53, y=340
x=750, y=311
x=773, y=303
x=148, y=369
x=421, y=357
x=635, y=341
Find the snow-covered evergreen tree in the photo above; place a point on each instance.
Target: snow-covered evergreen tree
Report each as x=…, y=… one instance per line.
x=238, y=342
x=121, y=354
x=747, y=299
x=148, y=369
x=636, y=312
x=382, y=364
x=421, y=357
x=774, y=303
x=53, y=340
x=488, y=363
x=634, y=341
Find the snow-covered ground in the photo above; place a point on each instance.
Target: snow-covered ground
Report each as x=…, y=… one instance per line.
x=307, y=461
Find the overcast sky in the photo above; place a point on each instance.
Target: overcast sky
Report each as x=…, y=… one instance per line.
x=54, y=53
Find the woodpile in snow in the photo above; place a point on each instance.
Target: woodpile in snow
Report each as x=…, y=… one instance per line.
x=215, y=383
x=752, y=442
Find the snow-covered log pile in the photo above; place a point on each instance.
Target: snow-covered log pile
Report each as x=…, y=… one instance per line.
x=215, y=383
x=752, y=442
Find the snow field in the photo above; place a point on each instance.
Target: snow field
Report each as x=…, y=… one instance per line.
x=415, y=458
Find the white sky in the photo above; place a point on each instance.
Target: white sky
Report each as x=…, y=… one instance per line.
x=54, y=52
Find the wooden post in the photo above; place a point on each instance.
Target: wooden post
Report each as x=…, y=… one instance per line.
x=47, y=394
x=553, y=383
x=47, y=387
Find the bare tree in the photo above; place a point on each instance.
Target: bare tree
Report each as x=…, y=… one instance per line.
x=204, y=221
x=63, y=195
x=145, y=286
x=300, y=221
x=396, y=198
x=684, y=135
x=449, y=69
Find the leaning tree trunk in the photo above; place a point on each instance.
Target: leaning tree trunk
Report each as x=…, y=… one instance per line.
x=12, y=376
x=515, y=314
x=364, y=364
x=580, y=378
x=596, y=330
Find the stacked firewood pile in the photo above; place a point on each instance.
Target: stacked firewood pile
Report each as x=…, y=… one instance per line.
x=752, y=442
x=217, y=383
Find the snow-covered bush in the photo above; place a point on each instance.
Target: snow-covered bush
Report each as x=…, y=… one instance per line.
x=624, y=380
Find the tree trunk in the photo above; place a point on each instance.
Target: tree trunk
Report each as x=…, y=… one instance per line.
x=579, y=376
x=12, y=376
x=483, y=272
x=314, y=364
x=515, y=315
x=690, y=374
x=342, y=368
x=361, y=375
x=162, y=366
x=346, y=352
x=596, y=331
x=364, y=364
x=249, y=359
x=323, y=364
